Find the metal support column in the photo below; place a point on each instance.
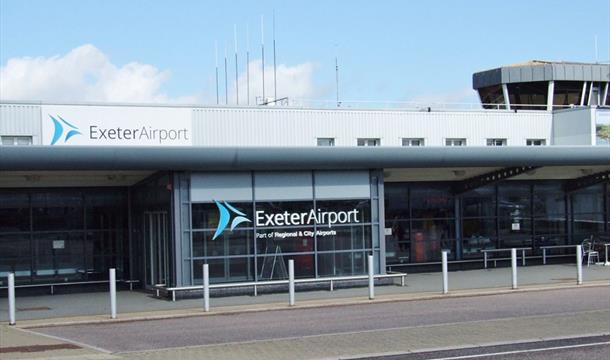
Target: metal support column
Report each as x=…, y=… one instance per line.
x=550, y=96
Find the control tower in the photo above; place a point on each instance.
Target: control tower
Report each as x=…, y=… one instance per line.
x=543, y=85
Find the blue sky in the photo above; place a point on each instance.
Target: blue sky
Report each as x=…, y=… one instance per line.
x=387, y=50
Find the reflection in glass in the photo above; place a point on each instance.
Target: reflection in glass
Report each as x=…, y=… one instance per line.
x=14, y=212
x=342, y=264
x=275, y=266
x=398, y=243
x=225, y=270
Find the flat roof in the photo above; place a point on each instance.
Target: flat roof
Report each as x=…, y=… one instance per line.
x=14, y=158
x=540, y=70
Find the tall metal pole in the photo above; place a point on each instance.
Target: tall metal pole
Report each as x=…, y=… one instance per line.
x=216, y=58
x=337, y=78
x=263, y=54
x=226, y=79
x=236, y=67
x=274, y=64
x=247, y=64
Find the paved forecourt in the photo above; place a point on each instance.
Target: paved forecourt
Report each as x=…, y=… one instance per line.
x=357, y=329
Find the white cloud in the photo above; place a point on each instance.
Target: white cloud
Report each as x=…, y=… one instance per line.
x=83, y=74
x=87, y=74
x=294, y=82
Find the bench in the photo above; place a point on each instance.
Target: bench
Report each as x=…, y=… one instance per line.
x=486, y=251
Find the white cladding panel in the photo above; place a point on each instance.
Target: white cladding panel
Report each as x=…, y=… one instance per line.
x=574, y=127
x=296, y=127
x=302, y=127
x=21, y=120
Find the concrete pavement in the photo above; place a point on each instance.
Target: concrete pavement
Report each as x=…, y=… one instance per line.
x=70, y=309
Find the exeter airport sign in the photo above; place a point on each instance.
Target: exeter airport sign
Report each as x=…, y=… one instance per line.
x=70, y=125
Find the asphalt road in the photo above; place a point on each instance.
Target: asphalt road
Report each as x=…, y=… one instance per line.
x=589, y=347
x=299, y=323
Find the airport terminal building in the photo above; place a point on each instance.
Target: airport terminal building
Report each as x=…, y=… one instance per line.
x=158, y=190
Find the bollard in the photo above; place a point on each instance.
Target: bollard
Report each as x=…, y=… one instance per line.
x=513, y=260
x=291, y=282
x=11, y=299
x=206, y=287
x=578, y=264
x=371, y=278
x=445, y=280
x=112, y=281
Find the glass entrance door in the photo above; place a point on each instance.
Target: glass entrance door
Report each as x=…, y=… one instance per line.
x=157, y=248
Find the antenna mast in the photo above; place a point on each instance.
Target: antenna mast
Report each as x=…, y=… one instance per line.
x=263, y=55
x=236, y=69
x=247, y=64
x=337, y=79
x=216, y=58
x=274, y=65
x=226, y=79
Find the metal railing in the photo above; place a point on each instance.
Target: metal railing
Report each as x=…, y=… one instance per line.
x=256, y=284
x=303, y=103
x=70, y=283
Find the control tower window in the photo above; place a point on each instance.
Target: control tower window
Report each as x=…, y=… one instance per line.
x=492, y=97
x=528, y=95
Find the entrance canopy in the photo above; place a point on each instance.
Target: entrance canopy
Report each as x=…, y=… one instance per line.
x=292, y=158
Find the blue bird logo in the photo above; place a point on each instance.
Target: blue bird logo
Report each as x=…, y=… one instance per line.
x=59, y=130
x=225, y=216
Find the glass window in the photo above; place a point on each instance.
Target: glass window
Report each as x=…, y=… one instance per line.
x=480, y=202
x=496, y=142
x=105, y=210
x=515, y=226
x=514, y=200
x=237, y=242
x=344, y=238
x=427, y=202
x=57, y=210
x=16, y=256
x=285, y=240
x=345, y=211
x=549, y=199
x=412, y=142
x=589, y=200
x=455, y=142
x=280, y=213
x=59, y=255
x=550, y=226
x=16, y=140
x=398, y=242
x=342, y=264
x=14, y=212
x=396, y=201
x=326, y=142
x=225, y=270
x=535, y=142
x=369, y=142
x=479, y=228
x=207, y=215
x=275, y=267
